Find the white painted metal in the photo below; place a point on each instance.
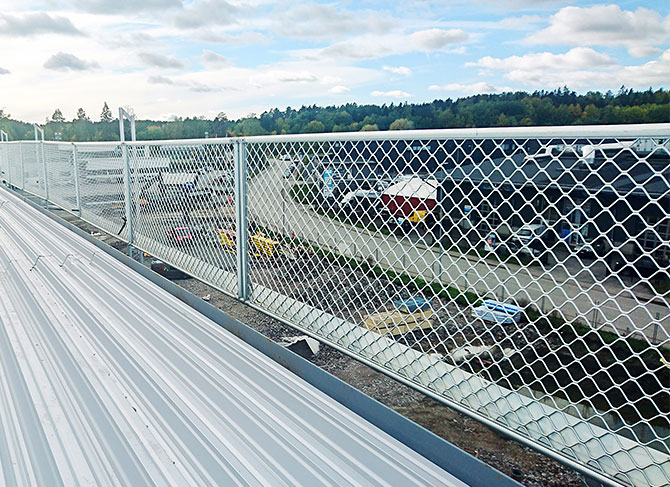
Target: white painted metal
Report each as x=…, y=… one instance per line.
x=39, y=146
x=106, y=379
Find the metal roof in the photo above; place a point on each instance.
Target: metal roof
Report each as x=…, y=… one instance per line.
x=627, y=175
x=108, y=379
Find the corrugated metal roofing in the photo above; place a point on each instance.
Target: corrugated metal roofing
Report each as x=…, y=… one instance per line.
x=107, y=379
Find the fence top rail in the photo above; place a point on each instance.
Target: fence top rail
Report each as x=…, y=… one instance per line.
x=545, y=132
x=548, y=132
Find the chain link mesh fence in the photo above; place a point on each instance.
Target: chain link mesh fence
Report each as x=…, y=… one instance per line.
x=521, y=276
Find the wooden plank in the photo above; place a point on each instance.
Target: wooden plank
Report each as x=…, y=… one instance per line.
x=397, y=323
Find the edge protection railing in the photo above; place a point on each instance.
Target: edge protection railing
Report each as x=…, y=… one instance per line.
x=597, y=450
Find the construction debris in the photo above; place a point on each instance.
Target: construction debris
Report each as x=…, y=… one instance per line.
x=303, y=345
x=397, y=322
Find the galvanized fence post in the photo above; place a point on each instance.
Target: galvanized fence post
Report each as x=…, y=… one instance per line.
x=123, y=114
x=126, y=193
x=40, y=145
x=23, y=172
x=5, y=155
x=77, y=190
x=241, y=220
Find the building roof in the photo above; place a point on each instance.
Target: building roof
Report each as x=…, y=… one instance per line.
x=622, y=176
x=413, y=187
x=108, y=379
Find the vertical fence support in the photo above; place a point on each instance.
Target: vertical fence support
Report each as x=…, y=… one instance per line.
x=23, y=172
x=5, y=156
x=77, y=190
x=241, y=220
x=39, y=147
x=126, y=192
x=126, y=173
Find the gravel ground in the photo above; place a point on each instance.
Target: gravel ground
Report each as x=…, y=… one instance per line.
x=506, y=455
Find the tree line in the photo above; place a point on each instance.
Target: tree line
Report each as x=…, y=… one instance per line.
x=558, y=107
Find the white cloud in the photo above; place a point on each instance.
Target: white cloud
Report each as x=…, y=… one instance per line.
x=160, y=80
x=470, y=89
x=579, y=68
x=457, y=50
x=318, y=21
x=402, y=70
x=191, y=85
x=371, y=46
x=433, y=39
x=161, y=61
x=281, y=76
x=116, y=6
x=339, y=89
x=652, y=73
x=245, y=38
x=214, y=60
x=129, y=39
x=641, y=31
x=207, y=13
x=68, y=62
x=35, y=24
x=578, y=57
x=392, y=94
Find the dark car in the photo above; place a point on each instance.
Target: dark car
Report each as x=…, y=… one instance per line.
x=167, y=271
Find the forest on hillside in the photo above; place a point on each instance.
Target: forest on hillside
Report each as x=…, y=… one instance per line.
x=558, y=107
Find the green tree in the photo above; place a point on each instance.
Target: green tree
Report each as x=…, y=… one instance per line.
x=401, y=124
x=371, y=127
x=106, y=115
x=250, y=126
x=314, y=127
x=57, y=116
x=220, y=125
x=591, y=114
x=81, y=114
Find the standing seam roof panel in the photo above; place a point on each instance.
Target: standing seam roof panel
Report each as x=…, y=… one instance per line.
x=108, y=379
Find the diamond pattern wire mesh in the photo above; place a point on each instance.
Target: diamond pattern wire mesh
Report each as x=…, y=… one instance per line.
x=575, y=236
x=183, y=208
x=33, y=168
x=522, y=280
x=60, y=175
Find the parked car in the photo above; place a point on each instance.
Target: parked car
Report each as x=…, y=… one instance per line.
x=533, y=239
x=180, y=235
x=167, y=270
x=596, y=247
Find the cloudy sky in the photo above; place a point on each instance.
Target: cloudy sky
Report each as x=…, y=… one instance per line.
x=201, y=57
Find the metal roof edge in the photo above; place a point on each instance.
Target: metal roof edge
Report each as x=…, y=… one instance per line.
x=426, y=443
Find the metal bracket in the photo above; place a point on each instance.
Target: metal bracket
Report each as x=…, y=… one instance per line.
x=36, y=261
x=65, y=260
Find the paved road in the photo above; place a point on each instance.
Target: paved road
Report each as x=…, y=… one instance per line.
x=579, y=295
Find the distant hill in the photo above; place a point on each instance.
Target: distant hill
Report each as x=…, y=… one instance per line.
x=559, y=107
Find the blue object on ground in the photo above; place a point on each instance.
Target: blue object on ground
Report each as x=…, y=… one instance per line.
x=413, y=305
